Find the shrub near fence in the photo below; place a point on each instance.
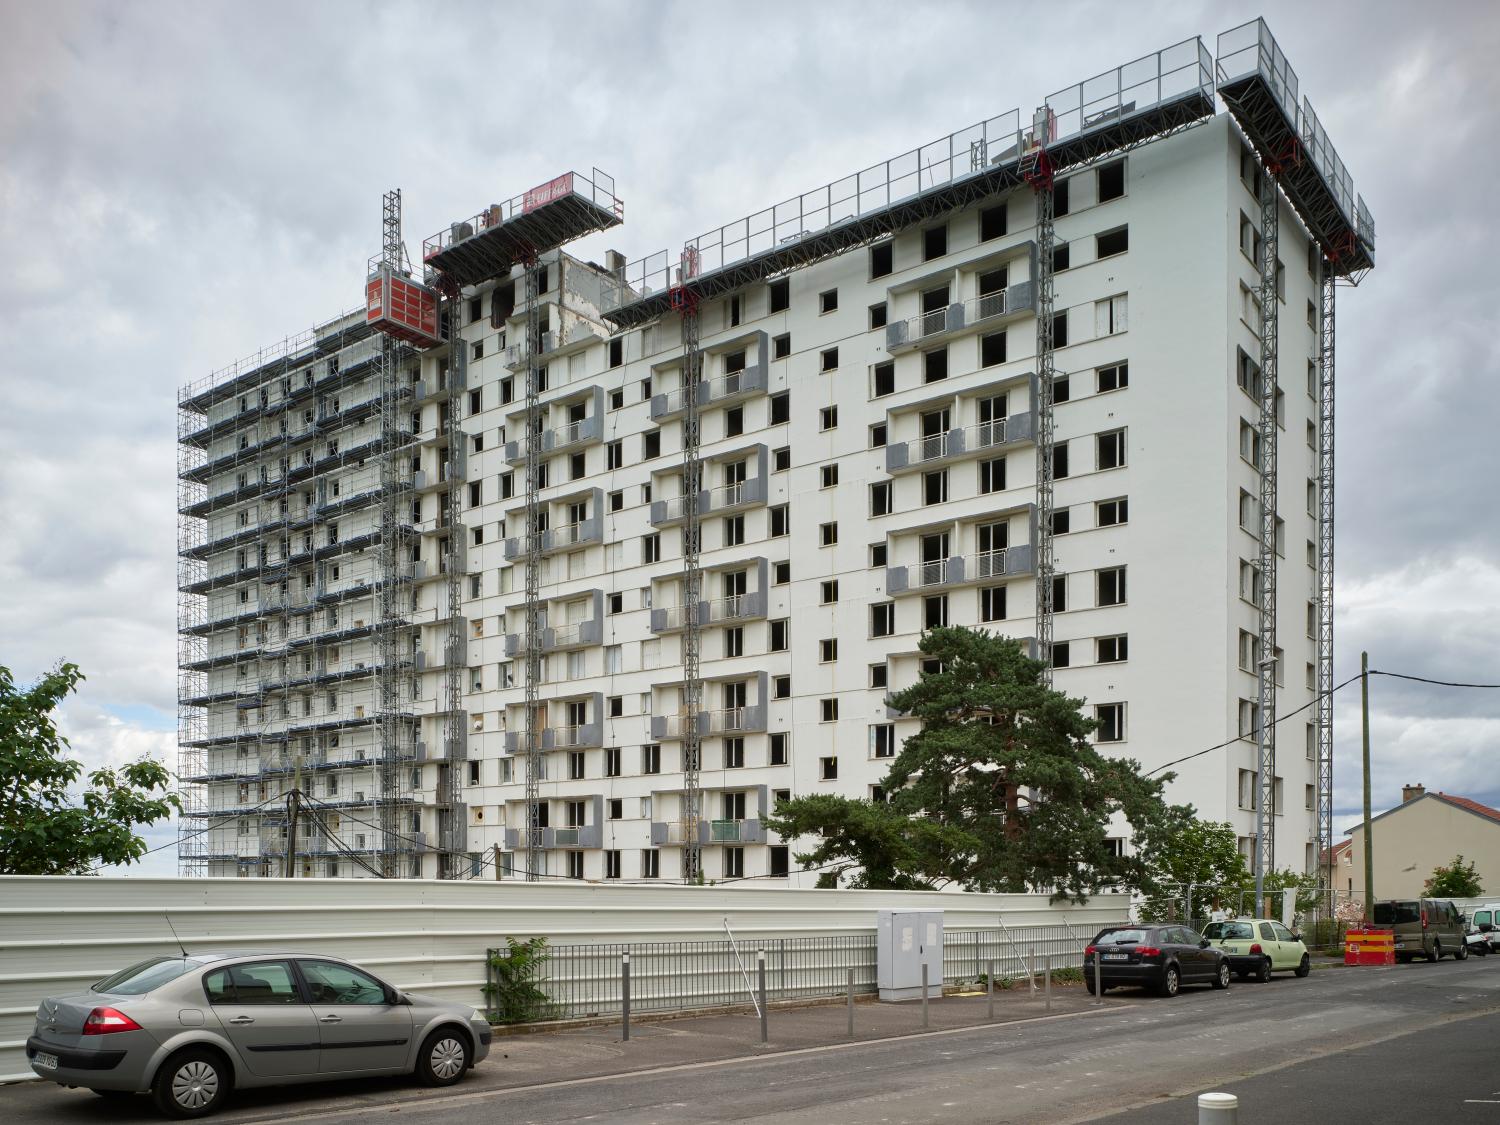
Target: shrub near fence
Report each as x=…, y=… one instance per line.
x=584, y=981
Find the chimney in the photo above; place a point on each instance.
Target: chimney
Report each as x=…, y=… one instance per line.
x=1411, y=792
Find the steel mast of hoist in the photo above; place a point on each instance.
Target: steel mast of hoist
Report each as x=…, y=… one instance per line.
x=685, y=301
x=406, y=314
x=490, y=245
x=1260, y=90
x=1036, y=167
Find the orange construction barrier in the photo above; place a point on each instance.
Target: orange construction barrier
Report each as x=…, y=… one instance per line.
x=1369, y=946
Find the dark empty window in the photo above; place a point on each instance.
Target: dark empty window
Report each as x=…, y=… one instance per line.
x=934, y=365
x=781, y=346
x=780, y=520
x=880, y=498
x=1110, y=449
x=1059, y=461
x=877, y=316
x=1061, y=258
x=828, y=301
x=992, y=349
x=882, y=259
x=1112, y=242
x=992, y=222
x=781, y=295
x=1061, y=524
x=992, y=603
x=617, y=351
x=992, y=475
x=934, y=242
x=935, y=611
x=885, y=378
x=781, y=408
x=1060, y=329
x=829, y=359
x=935, y=487
x=1114, y=377
x=1112, y=181
x=1112, y=586
x=651, y=444
x=1060, y=198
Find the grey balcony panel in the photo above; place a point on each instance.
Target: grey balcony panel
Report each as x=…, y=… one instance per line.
x=590, y=836
x=1020, y=559
x=512, y=839
x=895, y=457
x=895, y=579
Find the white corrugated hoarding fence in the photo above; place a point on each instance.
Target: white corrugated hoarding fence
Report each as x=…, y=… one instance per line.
x=60, y=934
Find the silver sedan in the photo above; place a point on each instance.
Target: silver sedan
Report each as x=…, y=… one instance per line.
x=190, y=1028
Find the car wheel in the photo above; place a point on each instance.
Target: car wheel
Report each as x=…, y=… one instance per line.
x=1304, y=966
x=1221, y=978
x=1263, y=971
x=1437, y=952
x=192, y=1083
x=1461, y=953
x=444, y=1058
x=1171, y=981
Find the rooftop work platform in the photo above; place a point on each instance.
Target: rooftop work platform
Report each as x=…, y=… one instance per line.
x=544, y=218
x=1153, y=96
x=1259, y=87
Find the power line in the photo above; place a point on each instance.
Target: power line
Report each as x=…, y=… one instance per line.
x=1425, y=680
x=1252, y=733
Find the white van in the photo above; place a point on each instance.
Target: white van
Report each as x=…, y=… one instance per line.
x=1486, y=919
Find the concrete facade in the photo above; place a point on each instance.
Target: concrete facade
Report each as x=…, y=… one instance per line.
x=869, y=470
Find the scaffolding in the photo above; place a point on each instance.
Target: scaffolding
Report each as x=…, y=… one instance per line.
x=686, y=302
x=1260, y=89
x=260, y=461
x=1037, y=168
x=491, y=245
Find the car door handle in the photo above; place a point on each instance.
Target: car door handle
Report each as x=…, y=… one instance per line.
x=330, y=1019
x=240, y=1021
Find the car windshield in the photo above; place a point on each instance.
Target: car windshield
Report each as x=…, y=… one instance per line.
x=140, y=979
x=1121, y=937
x=1396, y=913
x=1228, y=931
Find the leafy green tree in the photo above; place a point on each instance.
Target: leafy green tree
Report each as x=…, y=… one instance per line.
x=1000, y=790
x=43, y=830
x=1457, y=880
x=1183, y=851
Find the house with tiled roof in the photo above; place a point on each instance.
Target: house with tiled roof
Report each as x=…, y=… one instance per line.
x=1426, y=830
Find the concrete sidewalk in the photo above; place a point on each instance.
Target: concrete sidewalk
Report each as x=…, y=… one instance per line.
x=599, y=1050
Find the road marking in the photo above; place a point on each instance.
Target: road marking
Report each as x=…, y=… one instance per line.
x=1482, y=1101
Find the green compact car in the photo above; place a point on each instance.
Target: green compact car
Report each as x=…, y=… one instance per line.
x=1258, y=947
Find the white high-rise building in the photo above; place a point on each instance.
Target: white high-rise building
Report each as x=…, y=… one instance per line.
x=873, y=426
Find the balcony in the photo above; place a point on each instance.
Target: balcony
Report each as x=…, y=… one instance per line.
x=674, y=833
x=580, y=634
x=573, y=435
x=750, y=719
x=562, y=538
x=960, y=570
x=732, y=386
x=719, y=611
x=991, y=310
x=585, y=735
x=582, y=836
x=720, y=501
x=955, y=444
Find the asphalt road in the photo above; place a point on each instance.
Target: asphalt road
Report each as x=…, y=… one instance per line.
x=1350, y=1045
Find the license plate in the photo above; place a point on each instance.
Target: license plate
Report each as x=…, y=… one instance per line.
x=44, y=1060
x=1401, y=945
x=1117, y=956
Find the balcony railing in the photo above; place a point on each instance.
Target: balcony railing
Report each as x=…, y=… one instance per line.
x=953, y=444
x=713, y=501
x=559, y=538
x=728, y=720
x=737, y=607
x=1017, y=299
x=1007, y=562
x=711, y=392
x=735, y=832
x=582, y=432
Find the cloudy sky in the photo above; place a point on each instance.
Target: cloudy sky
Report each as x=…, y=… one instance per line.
x=184, y=183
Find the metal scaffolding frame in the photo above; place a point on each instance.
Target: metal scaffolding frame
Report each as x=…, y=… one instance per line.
x=1037, y=167
x=536, y=856
x=1324, y=712
x=1266, y=665
x=686, y=302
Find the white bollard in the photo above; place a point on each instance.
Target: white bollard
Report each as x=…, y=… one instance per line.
x=1218, y=1109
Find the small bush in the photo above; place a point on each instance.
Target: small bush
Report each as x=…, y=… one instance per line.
x=513, y=994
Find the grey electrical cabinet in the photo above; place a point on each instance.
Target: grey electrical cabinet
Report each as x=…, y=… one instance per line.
x=905, y=940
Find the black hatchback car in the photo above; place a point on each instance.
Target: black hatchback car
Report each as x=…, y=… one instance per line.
x=1163, y=957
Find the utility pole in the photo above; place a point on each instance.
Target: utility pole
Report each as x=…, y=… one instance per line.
x=290, y=867
x=498, y=874
x=1364, y=706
